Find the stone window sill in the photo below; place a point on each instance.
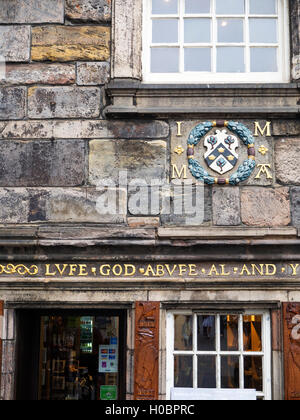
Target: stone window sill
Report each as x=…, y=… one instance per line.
x=133, y=98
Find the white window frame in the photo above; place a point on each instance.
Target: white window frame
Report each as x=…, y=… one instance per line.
x=282, y=76
x=265, y=353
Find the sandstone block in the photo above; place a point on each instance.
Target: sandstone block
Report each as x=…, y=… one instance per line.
x=42, y=163
x=81, y=205
x=14, y=205
x=88, y=10
x=12, y=103
x=37, y=204
x=295, y=205
x=186, y=206
x=83, y=129
x=63, y=205
x=141, y=160
x=137, y=222
x=138, y=129
x=92, y=73
x=296, y=67
x=286, y=127
x=143, y=200
x=287, y=161
x=32, y=11
x=265, y=207
x=69, y=43
x=49, y=74
x=63, y=102
x=15, y=43
x=226, y=206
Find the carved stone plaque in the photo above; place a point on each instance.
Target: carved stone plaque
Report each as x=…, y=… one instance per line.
x=146, y=351
x=218, y=155
x=291, y=314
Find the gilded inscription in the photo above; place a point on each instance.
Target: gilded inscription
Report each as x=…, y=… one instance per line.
x=179, y=123
x=262, y=131
x=161, y=270
x=264, y=169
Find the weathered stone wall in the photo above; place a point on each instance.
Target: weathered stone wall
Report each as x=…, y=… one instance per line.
x=57, y=145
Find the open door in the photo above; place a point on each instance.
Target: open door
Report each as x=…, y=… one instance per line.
x=71, y=355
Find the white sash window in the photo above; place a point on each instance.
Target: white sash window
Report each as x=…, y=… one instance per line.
x=213, y=41
x=219, y=351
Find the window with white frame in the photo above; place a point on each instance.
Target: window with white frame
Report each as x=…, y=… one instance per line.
x=215, y=41
x=219, y=351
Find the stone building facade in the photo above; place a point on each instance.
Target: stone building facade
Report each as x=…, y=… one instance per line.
x=85, y=230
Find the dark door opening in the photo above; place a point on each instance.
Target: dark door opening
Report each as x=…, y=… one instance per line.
x=71, y=355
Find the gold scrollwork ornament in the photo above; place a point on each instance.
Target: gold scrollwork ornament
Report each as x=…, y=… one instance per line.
x=20, y=269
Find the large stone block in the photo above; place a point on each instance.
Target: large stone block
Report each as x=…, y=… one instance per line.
x=31, y=11
x=63, y=102
x=14, y=205
x=186, y=204
x=69, y=43
x=287, y=161
x=93, y=73
x=81, y=205
x=265, y=207
x=286, y=127
x=143, y=160
x=48, y=74
x=15, y=43
x=88, y=10
x=226, y=206
x=12, y=103
x=42, y=163
x=83, y=129
x=295, y=205
x=63, y=205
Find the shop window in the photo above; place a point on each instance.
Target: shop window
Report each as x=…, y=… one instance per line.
x=223, y=351
x=79, y=358
x=215, y=41
x=71, y=354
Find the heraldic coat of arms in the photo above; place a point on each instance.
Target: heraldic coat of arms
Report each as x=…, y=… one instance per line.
x=221, y=153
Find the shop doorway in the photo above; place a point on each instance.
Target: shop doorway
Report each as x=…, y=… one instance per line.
x=71, y=355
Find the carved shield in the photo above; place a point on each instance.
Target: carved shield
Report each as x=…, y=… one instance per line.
x=221, y=154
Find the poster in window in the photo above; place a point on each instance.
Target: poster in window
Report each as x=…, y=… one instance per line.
x=108, y=358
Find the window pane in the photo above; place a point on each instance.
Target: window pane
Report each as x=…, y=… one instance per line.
x=230, y=372
x=196, y=6
x=164, y=60
x=229, y=332
x=263, y=7
x=207, y=372
x=230, y=7
x=197, y=59
x=230, y=30
x=252, y=333
x=164, y=7
x=183, y=332
x=206, y=333
x=230, y=60
x=164, y=30
x=263, y=30
x=183, y=371
x=253, y=375
x=264, y=60
x=197, y=30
